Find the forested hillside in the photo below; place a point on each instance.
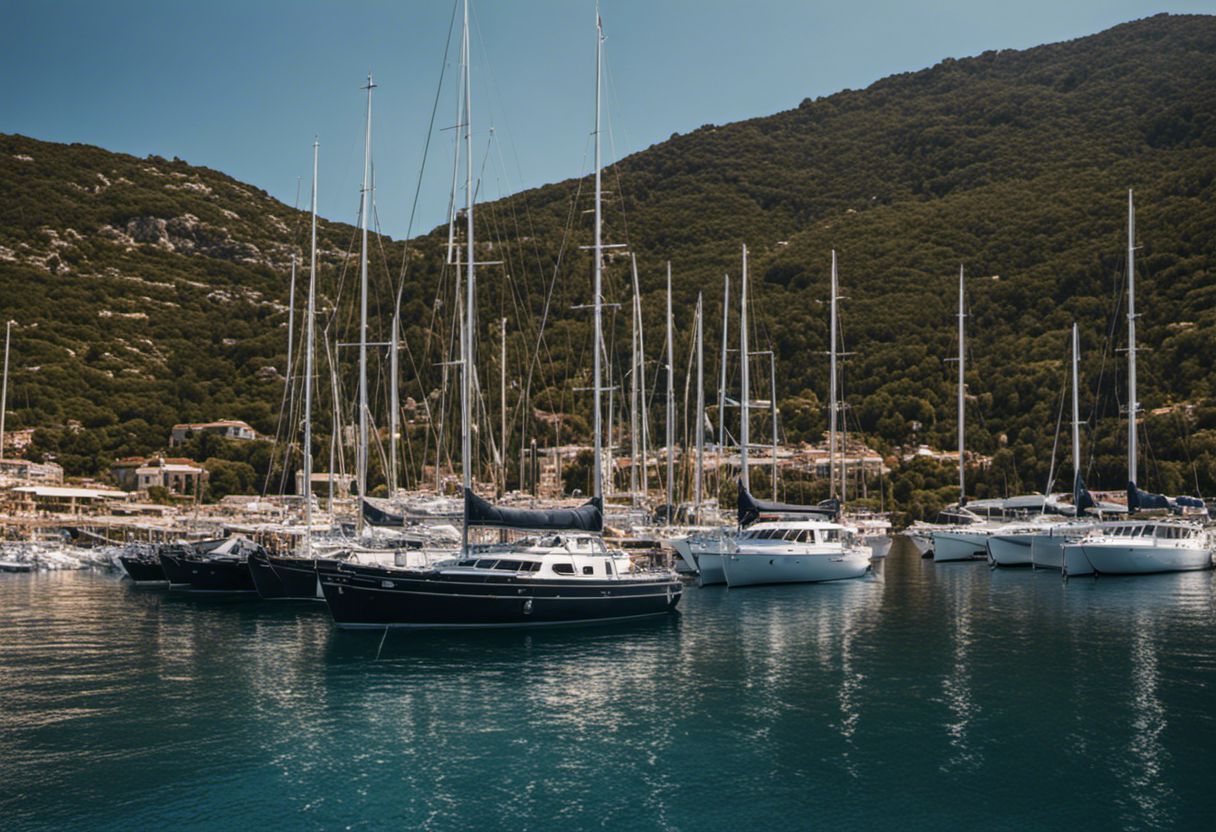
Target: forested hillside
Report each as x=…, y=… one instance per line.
x=150, y=292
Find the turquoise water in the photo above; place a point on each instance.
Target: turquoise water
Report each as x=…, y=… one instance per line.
x=926, y=697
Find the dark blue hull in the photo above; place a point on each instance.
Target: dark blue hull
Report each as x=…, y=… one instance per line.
x=228, y=575
x=284, y=578
x=175, y=568
x=374, y=597
x=143, y=570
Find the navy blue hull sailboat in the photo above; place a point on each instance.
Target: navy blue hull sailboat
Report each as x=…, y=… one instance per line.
x=563, y=573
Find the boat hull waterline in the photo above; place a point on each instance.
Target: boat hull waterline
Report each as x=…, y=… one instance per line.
x=285, y=578
x=753, y=569
x=375, y=598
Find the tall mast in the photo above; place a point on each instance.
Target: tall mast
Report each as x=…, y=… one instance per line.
x=633, y=390
x=641, y=369
x=743, y=402
x=1076, y=409
x=309, y=349
x=962, y=410
x=1133, y=406
x=466, y=353
x=832, y=409
x=696, y=489
x=502, y=404
x=291, y=326
x=671, y=404
x=394, y=404
x=364, y=210
x=8, y=332
x=722, y=377
x=597, y=472
x=772, y=366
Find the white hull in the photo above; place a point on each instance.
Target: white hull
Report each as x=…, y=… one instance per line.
x=956, y=546
x=880, y=545
x=1139, y=560
x=1009, y=549
x=683, y=548
x=745, y=569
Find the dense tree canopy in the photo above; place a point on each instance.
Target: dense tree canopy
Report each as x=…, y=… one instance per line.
x=150, y=292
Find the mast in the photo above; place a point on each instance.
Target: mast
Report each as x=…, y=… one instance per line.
x=633, y=390
x=8, y=332
x=597, y=472
x=291, y=323
x=722, y=379
x=1133, y=406
x=671, y=404
x=645, y=432
x=466, y=346
x=1076, y=413
x=394, y=404
x=962, y=410
x=772, y=365
x=697, y=475
x=361, y=453
x=502, y=403
x=743, y=405
x=309, y=348
x=832, y=409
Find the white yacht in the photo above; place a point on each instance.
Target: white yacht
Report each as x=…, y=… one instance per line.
x=1138, y=547
x=873, y=529
x=921, y=532
x=702, y=551
x=797, y=551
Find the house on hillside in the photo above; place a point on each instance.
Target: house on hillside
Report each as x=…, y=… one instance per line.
x=182, y=477
x=16, y=441
x=22, y=470
x=227, y=428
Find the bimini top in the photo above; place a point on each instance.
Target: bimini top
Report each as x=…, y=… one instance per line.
x=750, y=508
x=588, y=517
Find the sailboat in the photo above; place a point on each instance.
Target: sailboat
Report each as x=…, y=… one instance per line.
x=563, y=573
x=295, y=577
x=1145, y=543
x=792, y=543
x=1039, y=541
x=966, y=540
x=704, y=549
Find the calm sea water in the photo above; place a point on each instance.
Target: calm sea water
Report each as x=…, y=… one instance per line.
x=929, y=696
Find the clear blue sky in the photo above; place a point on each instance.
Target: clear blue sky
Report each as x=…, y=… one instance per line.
x=243, y=86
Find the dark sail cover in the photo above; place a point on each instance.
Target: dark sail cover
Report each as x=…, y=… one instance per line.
x=750, y=508
x=588, y=517
x=1081, y=497
x=375, y=515
x=1137, y=499
x=1190, y=502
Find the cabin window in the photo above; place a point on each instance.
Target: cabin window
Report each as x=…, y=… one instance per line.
x=507, y=565
x=607, y=567
x=830, y=535
x=806, y=536
x=485, y=563
x=468, y=563
x=563, y=568
x=588, y=570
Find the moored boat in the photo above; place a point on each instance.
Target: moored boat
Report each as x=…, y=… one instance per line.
x=282, y=578
x=564, y=575
x=797, y=551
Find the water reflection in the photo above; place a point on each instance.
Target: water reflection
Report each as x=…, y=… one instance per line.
x=121, y=707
